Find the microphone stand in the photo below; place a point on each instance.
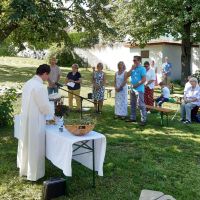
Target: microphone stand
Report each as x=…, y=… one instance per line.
x=81, y=98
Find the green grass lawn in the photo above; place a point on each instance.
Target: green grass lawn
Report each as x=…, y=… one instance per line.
x=159, y=158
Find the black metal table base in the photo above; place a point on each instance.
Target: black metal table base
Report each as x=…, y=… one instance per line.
x=84, y=145
x=162, y=118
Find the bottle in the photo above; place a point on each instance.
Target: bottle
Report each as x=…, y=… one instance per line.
x=61, y=128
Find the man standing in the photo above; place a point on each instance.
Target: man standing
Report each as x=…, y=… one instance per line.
x=149, y=85
x=166, y=71
x=35, y=105
x=54, y=76
x=138, y=78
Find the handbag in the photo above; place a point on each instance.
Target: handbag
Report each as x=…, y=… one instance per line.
x=90, y=96
x=54, y=188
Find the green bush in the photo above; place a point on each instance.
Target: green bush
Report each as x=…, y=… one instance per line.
x=178, y=82
x=197, y=75
x=65, y=52
x=7, y=49
x=6, y=107
x=65, y=56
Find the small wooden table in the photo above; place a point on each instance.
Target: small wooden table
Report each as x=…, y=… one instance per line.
x=163, y=111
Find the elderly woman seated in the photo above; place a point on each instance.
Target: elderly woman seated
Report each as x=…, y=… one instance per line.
x=191, y=100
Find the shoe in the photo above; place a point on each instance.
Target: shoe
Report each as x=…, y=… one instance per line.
x=122, y=118
x=130, y=120
x=115, y=117
x=142, y=123
x=187, y=122
x=148, y=112
x=182, y=120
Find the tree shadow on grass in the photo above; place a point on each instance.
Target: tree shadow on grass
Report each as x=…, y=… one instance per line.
x=152, y=157
x=14, y=74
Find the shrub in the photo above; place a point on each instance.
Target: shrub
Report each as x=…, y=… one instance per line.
x=178, y=82
x=197, y=75
x=65, y=56
x=65, y=52
x=7, y=49
x=6, y=107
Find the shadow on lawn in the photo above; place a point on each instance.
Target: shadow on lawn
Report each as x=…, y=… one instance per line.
x=22, y=74
x=120, y=130
x=161, y=162
x=14, y=74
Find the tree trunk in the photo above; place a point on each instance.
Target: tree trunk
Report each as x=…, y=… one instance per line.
x=186, y=53
x=6, y=31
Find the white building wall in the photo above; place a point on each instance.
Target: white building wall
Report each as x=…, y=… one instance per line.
x=108, y=55
x=111, y=55
x=173, y=52
x=195, y=60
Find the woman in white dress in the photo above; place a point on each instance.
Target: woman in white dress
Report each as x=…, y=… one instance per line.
x=121, y=92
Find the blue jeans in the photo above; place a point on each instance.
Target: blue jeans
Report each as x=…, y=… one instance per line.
x=138, y=99
x=161, y=100
x=186, y=109
x=52, y=90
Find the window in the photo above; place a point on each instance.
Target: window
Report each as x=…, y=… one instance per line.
x=145, y=54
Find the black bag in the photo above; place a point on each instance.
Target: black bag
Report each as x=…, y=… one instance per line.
x=53, y=188
x=90, y=96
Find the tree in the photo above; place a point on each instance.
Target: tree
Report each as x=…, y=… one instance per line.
x=40, y=22
x=149, y=19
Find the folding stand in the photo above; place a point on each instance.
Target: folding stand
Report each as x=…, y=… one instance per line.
x=81, y=98
x=84, y=145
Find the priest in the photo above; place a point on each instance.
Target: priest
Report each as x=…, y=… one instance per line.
x=31, y=145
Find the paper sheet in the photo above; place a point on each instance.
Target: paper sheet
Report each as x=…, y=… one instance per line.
x=71, y=84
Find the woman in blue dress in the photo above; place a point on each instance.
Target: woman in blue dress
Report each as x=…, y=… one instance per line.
x=99, y=80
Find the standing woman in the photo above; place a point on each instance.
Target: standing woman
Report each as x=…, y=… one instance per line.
x=98, y=81
x=155, y=67
x=121, y=91
x=74, y=85
x=149, y=85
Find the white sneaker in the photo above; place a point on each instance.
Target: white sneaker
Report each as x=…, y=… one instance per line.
x=187, y=122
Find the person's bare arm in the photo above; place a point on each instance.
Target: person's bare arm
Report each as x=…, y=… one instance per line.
x=115, y=82
x=149, y=82
x=78, y=81
x=67, y=80
x=190, y=100
x=58, y=78
x=143, y=80
x=116, y=88
x=128, y=74
x=125, y=80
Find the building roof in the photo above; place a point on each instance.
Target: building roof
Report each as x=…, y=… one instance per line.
x=158, y=42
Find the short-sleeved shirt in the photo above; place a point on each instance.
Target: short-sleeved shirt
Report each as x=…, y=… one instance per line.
x=74, y=77
x=54, y=73
x=187, y=85
x=151, y=75
x=193, y=93
x=136, y=75
x=166, y=68
x=166, y=92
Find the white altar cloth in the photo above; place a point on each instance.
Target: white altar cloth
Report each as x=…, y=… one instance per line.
x=60, y=145
x=59, y=149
